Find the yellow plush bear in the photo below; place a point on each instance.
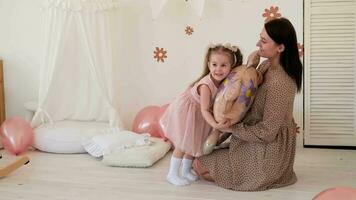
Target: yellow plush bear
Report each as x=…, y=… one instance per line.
x=234, y=98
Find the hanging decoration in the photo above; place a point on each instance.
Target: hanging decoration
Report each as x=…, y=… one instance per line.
x=189, y=30
x=156, y=7
x=271, y=13
x=160, y=54
x=198, y=6
x=301, y=49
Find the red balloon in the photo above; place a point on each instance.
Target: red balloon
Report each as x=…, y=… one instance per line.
x=16, y=135
x=147, y=121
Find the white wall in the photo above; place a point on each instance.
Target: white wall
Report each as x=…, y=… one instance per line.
x=143, y=81
x=20, y=49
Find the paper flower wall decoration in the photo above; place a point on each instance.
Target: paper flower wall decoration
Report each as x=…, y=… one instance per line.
x=271, y=13
x=160, y=54
x=189, y=30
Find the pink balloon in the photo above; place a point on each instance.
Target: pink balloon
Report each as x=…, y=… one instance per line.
x=161, y=112
x=16, y=135
x=339, y=193
x=147, y=121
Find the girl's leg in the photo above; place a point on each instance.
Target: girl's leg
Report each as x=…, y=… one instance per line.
x=173, y=173
x=187, y=168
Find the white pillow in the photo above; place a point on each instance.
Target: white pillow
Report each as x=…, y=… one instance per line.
x=102, y=144
x=66, y=136
x=141, y=154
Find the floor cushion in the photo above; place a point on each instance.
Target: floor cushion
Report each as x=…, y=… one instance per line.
x=66, y=136
x=127, y=149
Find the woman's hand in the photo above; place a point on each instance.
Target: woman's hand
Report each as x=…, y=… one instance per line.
x=253, y=59
x=297, y=128
x=263, y=67
x=226, y=130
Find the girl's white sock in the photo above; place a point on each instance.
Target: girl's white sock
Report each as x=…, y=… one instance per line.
x=187, y=170
x=173, y=173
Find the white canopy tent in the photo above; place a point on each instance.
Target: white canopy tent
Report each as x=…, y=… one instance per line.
x=77, y=76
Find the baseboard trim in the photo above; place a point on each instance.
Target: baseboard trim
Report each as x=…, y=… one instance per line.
x=330, y=147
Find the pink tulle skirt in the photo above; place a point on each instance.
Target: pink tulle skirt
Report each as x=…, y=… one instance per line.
x=185, y=126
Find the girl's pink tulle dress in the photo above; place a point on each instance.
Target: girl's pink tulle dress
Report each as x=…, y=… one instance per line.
x=183, y=122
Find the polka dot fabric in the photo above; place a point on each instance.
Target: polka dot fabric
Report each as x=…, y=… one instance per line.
x=262, y=148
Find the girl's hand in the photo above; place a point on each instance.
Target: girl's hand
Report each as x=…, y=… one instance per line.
x=224, y=126
x=219, y=125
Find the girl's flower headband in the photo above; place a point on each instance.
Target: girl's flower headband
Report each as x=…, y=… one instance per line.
x=227, y=45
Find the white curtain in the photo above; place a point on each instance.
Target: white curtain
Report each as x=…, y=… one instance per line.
x=158, y=5
x=198, y=6
x=76, y=79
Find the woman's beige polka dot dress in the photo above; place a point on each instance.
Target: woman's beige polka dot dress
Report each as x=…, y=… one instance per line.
x=262, y=148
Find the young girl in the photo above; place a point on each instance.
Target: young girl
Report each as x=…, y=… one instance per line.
x=188, y=120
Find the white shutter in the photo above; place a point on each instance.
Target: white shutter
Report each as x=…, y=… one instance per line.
x=330, y=72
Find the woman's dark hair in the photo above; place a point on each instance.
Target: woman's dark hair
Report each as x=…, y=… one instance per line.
x=282, y=32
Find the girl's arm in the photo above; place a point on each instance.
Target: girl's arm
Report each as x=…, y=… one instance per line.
x=205, y=102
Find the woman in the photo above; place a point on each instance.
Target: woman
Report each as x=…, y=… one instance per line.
x=262, y=148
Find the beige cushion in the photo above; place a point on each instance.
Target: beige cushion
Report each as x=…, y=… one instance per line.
x=137, y=156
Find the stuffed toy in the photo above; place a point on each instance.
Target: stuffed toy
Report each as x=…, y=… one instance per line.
x=13, y=166
x=234, y=98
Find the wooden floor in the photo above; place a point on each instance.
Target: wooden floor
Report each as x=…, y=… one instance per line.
x=80, y=176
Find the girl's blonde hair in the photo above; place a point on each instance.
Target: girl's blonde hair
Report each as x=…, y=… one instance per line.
x=233, y=52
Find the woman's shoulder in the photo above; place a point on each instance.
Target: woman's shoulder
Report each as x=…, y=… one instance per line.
x=280, y=78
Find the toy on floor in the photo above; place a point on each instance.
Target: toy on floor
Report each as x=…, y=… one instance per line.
x=23, y=160
x=234, y=98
